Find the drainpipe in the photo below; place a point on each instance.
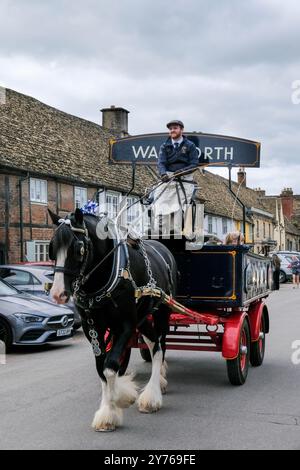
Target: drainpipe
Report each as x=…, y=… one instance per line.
x=21, y=180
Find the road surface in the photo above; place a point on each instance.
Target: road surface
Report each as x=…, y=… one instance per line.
x=48, y=397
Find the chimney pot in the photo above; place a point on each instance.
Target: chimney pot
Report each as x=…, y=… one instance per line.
x=241, y=177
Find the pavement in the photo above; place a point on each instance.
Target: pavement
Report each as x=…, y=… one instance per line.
x=48, y=396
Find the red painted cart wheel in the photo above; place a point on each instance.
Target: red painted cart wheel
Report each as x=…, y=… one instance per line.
x=257, y=350
x=237, y=369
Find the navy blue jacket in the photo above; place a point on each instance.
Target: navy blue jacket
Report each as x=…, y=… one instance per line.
x=185, y=157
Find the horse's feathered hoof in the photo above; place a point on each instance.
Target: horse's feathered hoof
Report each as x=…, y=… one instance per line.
x=149, y=408
x=107, y=419
x=149, y=401
x=107, y=428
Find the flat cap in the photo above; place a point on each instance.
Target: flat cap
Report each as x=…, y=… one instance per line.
x=175, y=123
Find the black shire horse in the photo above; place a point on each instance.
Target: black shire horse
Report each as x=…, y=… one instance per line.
x=102, y=274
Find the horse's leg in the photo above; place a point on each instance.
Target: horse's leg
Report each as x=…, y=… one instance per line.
x=161, y=324
x=125, y=389
x=150, y=399
x=108, y=416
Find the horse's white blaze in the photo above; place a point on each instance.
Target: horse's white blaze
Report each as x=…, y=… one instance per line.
x=58, y=288
x=151, y=398
x=109, y=415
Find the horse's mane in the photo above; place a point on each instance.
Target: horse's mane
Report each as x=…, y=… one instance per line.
x=63, y=236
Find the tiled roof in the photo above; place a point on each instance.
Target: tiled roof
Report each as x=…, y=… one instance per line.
x=290, y=227
x=219, y=201
x=38, y=138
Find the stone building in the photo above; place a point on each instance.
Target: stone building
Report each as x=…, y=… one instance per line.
x=286, y=207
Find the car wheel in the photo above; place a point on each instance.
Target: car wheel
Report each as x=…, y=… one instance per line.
x=282, y=277
x=6, y=334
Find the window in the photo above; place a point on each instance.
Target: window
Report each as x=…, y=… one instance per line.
x=38, y=191
x=257, y=228
x=133, y=211
x=112, y=203
x=264, y=229
x=80, y=197
x=37, y=251
x=42, y=251
x=16, y=277
x=249, y=239
x=224, y=226
x=210, y=224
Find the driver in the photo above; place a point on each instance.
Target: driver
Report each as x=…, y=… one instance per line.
x=177, y=153
x=172, y=209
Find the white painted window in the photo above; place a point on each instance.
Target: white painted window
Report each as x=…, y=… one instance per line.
x=38, y=190
x=224, y=226
x=37, y=250
x=112, y=203
x=133, y=210
x=80, y=196
x=257, y=229
x=42, y=251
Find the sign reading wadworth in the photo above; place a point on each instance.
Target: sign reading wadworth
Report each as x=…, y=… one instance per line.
x=214, y=150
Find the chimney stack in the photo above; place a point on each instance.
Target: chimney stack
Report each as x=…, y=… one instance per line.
x=116, y=120
x=287, y=200
x=241, y=177
x=260, y=192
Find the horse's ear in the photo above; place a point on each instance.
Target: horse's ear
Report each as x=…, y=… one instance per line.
x=78, y=216
x=54, y=217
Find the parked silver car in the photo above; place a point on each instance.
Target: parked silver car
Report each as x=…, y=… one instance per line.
x=32, y=279
x=285, y=266
x=28, y=320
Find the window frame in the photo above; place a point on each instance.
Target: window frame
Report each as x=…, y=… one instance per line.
x=33, y=191
x=113, y=194
x=83, y=200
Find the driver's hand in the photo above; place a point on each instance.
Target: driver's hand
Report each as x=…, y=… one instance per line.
x=164, y=178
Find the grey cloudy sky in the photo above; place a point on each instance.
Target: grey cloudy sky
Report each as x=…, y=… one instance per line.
x=222, y=66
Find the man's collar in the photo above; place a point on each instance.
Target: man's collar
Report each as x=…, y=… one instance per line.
x=169, y=140
x=177, y=141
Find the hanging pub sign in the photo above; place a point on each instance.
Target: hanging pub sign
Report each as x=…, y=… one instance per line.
x=214, y=150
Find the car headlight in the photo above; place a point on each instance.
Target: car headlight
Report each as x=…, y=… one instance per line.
x=29, y=318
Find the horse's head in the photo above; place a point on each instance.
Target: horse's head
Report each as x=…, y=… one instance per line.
x=70, y=248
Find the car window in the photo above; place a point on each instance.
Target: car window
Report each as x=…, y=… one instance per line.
x=35, y=280
x=6, y=289
x=17, y=278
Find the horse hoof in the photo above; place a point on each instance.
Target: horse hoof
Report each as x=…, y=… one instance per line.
x=106, y=428
x=149, y=408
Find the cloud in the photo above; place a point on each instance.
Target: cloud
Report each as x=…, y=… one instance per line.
x=223, y=67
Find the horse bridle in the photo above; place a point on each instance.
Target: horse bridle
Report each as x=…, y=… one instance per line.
x=81, y=250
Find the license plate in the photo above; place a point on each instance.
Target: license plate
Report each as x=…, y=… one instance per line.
x=64, y=332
